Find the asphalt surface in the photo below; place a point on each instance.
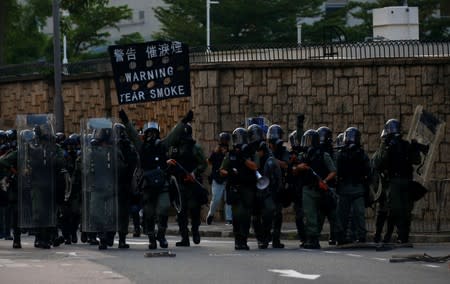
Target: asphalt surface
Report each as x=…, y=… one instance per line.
x=289, y=232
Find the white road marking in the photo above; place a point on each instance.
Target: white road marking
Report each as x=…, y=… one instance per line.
x=331, y=252
x=354, y=255
x=431, y=265
x=233, y=254
x=379, y=258
x=14, y=265
x=294, y=274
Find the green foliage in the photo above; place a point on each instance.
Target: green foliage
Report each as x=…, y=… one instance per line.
x=233, y=21
x=130, y=38
x=24, y=41
x=86, y=19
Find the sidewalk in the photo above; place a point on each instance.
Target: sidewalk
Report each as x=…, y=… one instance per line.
x=289, y=232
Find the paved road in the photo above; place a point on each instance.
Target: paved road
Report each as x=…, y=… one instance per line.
x=215, y=261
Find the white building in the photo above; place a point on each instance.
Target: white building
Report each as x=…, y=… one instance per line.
x=142, y=21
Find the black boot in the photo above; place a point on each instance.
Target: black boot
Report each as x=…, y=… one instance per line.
x=103, y=244
x=312, y=244
x=195, y=236
x=244, y=244
x=84, y=237
x=74, y=238
x=183, y=243
x=240, y=243
x=16, y=242
x=151, y=241
x=277, y=244
x=184, y=239
x=161, y=237
x=122, y=241
x=379, y=224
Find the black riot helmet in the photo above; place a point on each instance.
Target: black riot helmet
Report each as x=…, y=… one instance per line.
x=310, y=139
x=239, y=137
x=3, y=137
x=100, y=136
x=224, y=139
x=340, y=140
x=11, y=134
x=325, y=135
x=392, y=127
x=293, y=140
x=275, y=134
x=120, y=131
x=255, y=134
x=151, y=131
x=75, y=138
x=60, y=137
x=27, y=135
x=186, y=135
x=352, y=136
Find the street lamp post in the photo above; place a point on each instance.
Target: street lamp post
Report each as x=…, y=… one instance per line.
x=208, y=22
x=65, y=61
x=58, y=103
x=299, y=23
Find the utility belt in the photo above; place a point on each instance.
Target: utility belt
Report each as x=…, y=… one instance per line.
x=352, y=181
x=400, y=175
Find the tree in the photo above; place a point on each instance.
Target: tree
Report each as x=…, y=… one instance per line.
x=22, y=24
x=86, y=20
x=233, y=21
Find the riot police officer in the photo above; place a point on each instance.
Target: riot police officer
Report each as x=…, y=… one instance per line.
x=154, y=185
x=265, y=205
x=381, y=182
x=188, y=163
x=326, y=145
x=72, y=198
x=240, y=169
x=282, y=195
x=353, y=172
x=156, y=199
x=316, y=169
x=396, y=158
x=8, y=169
x=295, y=186
x=128, y=159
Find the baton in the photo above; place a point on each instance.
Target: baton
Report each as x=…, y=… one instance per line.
x=188, y=173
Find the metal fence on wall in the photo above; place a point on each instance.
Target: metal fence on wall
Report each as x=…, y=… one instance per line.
x=259, y=52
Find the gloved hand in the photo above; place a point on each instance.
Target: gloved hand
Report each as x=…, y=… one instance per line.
x=171, y=162
x=323, y=185
x=188, y=117
x=123, y=116
x=300, y=119
x=189, y=178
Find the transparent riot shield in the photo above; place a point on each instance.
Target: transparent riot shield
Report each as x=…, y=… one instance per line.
x=427, y=131
x=36, y=170
x=99, y=175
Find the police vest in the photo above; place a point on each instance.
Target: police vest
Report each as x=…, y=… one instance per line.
x=351, y=165
x=315, y=159
x=244, y=176
x=400, y=164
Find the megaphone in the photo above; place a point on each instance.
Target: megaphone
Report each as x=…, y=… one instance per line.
x=262, y=182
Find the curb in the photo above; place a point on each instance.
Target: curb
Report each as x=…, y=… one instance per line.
x=292, y=235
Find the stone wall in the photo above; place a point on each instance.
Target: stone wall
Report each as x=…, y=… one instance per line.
x=338, y=94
